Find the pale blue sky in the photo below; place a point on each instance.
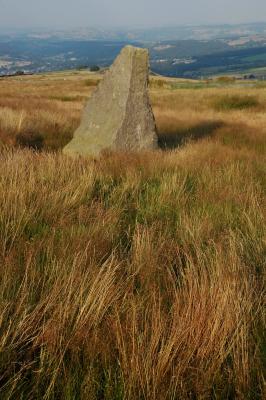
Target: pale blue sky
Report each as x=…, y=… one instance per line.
x=114, y=13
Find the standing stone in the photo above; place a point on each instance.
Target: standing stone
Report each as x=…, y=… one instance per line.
x=118, y=116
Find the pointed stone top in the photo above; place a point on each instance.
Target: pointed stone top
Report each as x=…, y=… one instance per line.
x=133, y=49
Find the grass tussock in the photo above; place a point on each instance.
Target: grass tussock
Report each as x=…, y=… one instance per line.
x=235, y=103
x=137, y=276
x=91, y=82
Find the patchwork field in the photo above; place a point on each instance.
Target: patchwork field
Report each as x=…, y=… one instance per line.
x=137, y=276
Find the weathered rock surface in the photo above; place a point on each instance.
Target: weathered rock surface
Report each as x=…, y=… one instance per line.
x=118, y=115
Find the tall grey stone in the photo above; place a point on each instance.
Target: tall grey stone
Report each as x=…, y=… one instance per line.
x=118, y=116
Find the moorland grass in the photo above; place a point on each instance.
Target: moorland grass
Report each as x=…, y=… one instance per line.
x=235, y=102
x=137, y=276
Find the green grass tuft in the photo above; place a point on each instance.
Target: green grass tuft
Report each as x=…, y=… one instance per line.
x=227, y=103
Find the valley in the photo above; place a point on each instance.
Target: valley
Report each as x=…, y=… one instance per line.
x=191, y=52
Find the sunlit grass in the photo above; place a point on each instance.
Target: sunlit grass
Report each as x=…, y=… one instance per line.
x=136, y=276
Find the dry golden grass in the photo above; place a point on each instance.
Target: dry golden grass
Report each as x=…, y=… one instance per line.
x=44, y=111
x=48, y=107
x=139, y=276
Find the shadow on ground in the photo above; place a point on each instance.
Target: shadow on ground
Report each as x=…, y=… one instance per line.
x=30, y=139
x=179, y=137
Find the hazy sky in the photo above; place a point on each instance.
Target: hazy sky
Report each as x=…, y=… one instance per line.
x=114, y=13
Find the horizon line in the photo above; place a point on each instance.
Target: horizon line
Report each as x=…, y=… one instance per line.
x=135, y=27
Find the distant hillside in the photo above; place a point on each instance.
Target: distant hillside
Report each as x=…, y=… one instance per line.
x=152, y=34
x=212, y=62
x=178, y=51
